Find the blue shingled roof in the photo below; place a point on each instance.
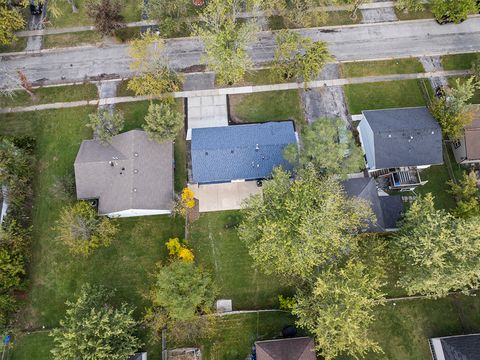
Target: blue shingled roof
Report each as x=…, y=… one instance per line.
x=223, y=154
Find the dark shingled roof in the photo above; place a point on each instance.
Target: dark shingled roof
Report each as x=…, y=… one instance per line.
x=466, y=347
x=286, y=349
x=223, y=154
x=141, y=176
x=387, y=209
x=405, y=137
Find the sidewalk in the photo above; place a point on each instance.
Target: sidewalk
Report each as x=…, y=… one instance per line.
x=241, y=90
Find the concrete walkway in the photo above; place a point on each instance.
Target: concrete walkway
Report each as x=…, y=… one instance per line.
x=376, y=15
x=327, y=101
x=434, y=64
x=241, y=90
x=206, y=111
x=226, y=196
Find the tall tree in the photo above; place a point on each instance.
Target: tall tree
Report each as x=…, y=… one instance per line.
x=10, y=21
x=182, y=292
x=338, y=310
x=106, y=124
x=154, y=76
x=94, y=329
x=106, y=15
x=452, y=111
x=226, y=40
x=82, y=230
x=437, y=252
x=466, y=195
x=163, y=122
x=16, y=167
x=329, y=145
x=454, y=10
x=296, y=227
x=298, y=57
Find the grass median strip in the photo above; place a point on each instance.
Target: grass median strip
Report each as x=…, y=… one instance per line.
x=48, y=95
x=385, y=67
x=459, y=61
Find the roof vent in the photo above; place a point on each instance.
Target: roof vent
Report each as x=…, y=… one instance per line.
x=389, y=135
x=433, y=132
x=134, y=189
x=206, y=152
x=135, y=154
x=231, y=151
x=111, y=163
x=411, y=137
x=256, y=147
x=135, y=171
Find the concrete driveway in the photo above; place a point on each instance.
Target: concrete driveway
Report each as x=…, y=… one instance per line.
x=228, y=196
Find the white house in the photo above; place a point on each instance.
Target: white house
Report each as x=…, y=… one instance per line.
x=397, y=143
x=130, y=176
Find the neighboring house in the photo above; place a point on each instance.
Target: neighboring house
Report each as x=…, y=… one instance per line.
x=131, y=176
x=467, y=148
x=138, y=356
x=302, y=348
x=462, y=347
x=387, y=209
x=239, y=152
x=397, y=143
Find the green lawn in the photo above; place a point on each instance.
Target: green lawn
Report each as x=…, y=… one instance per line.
x=437, y=177
x=216, y=245
x=384, y=67
x=34, y=346
x=383, y=95
x=459, y=61
x=55, y=275
x=425, y=14
x=403, y=329
x=267, y=106
x=71, y=39
x=236, y=334
x=51, y=94
x=131, y=11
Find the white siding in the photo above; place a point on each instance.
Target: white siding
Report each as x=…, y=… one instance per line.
x=137, y=212
x=460, y=152
x=368, y=144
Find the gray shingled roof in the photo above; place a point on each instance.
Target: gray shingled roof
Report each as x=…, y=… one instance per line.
x=132, y=172
x=466, y=347
x=222, y=154
x=387, y=209
x=405, y=137
x=286, y=349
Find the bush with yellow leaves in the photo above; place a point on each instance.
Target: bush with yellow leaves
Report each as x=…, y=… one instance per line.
x=179, y=251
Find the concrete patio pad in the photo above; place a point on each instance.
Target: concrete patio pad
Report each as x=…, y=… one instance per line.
x=206, y=111
x=227, y=196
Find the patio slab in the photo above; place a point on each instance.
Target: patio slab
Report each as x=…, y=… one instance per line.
x=226, y=196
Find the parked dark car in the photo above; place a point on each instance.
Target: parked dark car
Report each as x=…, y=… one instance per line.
x=36, y=9
x=440, y=91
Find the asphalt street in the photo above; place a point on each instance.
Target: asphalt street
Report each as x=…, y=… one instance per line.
x=359, y=42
